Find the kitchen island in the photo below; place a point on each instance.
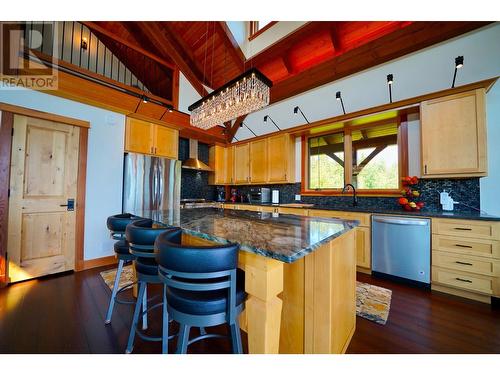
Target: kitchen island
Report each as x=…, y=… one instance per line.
x=300, y=274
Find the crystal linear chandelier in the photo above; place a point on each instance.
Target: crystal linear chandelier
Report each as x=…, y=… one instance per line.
x=244, y=94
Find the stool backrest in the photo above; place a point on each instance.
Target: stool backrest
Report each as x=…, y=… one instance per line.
x=117, y=224
x=197, y=268
x=141, y=236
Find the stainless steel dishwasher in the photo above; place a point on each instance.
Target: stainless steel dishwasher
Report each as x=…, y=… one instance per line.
x=401, y=247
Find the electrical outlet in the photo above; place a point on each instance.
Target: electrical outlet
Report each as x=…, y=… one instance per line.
x=297, y=197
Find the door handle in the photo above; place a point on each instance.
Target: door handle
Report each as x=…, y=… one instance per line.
x=70, y=204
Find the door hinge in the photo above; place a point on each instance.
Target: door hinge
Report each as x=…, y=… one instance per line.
x=8, y=193
x=12, y=132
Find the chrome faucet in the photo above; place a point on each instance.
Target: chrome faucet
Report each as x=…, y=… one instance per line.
x=355, y=199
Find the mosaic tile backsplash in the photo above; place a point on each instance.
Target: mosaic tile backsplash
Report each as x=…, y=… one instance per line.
x=465, y=191
x=194, y=184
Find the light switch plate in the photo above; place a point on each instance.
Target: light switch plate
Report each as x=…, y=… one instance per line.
x=297, y=197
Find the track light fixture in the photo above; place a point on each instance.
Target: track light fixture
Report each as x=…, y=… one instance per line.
x=338, y=96
x=144, y=99
x=168, y=108
x=297, y=110
x=390, y=81
x=459, y=63
x=243, y=124
x=269, y=117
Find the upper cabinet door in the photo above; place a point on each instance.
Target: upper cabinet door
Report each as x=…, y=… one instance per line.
x=280, y=158
x=139, y=136
x=258, y=161
x=453, y=137
x=229, y=165
x=241, y=167
x=166, y=142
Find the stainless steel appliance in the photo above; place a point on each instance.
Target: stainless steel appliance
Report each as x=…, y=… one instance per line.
x=259, y=195
x=150, y=183
x=401, y=247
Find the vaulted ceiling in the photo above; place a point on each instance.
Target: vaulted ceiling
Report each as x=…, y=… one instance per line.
x=313, y=55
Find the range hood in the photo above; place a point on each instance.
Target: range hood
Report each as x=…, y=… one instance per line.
x=193, y=162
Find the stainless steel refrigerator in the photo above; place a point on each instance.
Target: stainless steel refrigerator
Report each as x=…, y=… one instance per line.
x=150, y=183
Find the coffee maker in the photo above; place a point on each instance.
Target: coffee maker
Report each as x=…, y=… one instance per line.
x=221, y=194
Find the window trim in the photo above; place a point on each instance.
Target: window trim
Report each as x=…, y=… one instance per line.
x=254, y=31
x=402, y=142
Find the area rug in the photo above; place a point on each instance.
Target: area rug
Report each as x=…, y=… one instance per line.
x=373, y=302
x=127, y=277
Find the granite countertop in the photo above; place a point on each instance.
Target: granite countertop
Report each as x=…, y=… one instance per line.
x=283, y=237
x=464, y=215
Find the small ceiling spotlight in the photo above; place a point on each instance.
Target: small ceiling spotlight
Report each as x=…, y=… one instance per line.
x=459, y=63
x=390, y=81
x=144, y=99
x=168, y=108
x=338, y=96
x=84, y=43
x=266, y=117
x=297, y=110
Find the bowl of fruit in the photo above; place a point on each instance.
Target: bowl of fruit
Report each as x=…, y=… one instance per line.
x=410, y=195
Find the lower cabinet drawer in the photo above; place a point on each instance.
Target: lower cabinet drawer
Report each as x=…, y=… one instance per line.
x=489, y=230
x=466, y=281
x=471, y=246
x=364, y=219
x=467, y=263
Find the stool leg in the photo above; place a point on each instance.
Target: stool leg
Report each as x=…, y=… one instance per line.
x=236, y=338
x=164, y=340
x=183, y=339
x=135, y=319
x=144, y=308
x=114, y=292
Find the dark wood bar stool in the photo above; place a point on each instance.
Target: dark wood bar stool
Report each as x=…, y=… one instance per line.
x=202, y=287
x=116, y=225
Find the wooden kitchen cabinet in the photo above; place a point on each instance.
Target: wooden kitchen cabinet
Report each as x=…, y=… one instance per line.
x=258, y=161
x=148, y=138
x=453, y=135
x=281, y=159
x=221, y=161
x=138, y=136
x=242, y=163
x=166, y=142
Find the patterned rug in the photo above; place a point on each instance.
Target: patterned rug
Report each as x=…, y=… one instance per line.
x=126, y=278
x=373, y=302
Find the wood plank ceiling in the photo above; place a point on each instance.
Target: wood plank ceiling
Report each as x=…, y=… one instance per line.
x=313, y=55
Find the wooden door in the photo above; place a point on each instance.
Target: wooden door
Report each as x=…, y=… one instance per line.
x=241, y=167
x=454, y=135
x=139, y=136
x=44, y=171
x=166, y=142
x=279, y=155
x=258, y=161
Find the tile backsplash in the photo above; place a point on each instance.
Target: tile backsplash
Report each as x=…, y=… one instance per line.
x=194, y=184
x=466, y=191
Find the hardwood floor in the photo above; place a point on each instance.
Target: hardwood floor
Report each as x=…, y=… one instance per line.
x=65, y=314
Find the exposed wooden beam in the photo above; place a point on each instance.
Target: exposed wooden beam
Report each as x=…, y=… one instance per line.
x=336, y=158
x=166, y=40
x=233, y=129
x=231, y=44
x=409, y=39
x=101, y=30
x=373, y=142
x=358, y=168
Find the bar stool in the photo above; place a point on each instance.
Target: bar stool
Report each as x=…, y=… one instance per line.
x=202, y=287
x=116, y=225
x=141, y=236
